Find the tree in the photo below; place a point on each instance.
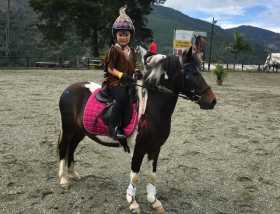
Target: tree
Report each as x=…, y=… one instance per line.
x=89, y=19
x=239, y=46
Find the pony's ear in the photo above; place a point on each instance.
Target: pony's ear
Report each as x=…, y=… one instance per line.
x=186, y=57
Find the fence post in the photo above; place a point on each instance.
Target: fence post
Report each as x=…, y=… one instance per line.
x=88, y=62
x=60, y=61
x=242, y=66
x=77, y=62
x=259, y=67
x=27, y=62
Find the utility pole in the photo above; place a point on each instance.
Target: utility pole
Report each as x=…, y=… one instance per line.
x=7, y=48
x=211, y=42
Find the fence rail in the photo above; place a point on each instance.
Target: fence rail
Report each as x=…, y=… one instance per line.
x=88, y=63
x=244, y=67
x=51, y=62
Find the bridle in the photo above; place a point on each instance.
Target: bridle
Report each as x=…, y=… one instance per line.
x=163, y=89
x=193, y=96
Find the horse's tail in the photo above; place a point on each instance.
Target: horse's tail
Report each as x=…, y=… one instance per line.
x=104, y=143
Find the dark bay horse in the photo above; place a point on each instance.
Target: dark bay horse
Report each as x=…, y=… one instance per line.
x=164, y=81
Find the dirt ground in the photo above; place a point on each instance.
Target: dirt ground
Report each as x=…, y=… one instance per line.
x=223, y=161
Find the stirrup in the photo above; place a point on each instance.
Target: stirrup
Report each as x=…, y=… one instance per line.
x=119, y=134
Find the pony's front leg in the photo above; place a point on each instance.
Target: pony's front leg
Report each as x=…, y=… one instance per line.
x=131, y=193
x=151, y=188
x=134, y=180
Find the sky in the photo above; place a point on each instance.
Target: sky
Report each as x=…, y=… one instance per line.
x=232, y=13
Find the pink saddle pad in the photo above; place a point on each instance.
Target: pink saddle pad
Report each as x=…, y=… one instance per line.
x=93, y=121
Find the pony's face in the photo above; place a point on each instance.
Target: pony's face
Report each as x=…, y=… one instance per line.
x=194, y=85
x=184, y=79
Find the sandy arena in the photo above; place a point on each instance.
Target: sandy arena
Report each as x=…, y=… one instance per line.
x=224, y=161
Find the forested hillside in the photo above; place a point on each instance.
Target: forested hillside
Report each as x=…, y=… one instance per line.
x=26, y=40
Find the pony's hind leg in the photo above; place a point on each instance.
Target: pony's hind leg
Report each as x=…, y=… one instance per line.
x=67, y=144
x=72, y=174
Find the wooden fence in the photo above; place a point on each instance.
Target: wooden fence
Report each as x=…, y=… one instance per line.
x=89, y=63
x=51, y=62
x=244, y=67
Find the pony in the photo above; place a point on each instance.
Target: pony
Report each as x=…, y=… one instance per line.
x=165, y=81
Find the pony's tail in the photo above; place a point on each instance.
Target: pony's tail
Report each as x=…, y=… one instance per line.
x=104, y=143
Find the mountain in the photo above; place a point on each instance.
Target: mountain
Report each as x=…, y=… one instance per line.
x=172, y=19
x=27, y=40
x=259, y=39
x=265, y=38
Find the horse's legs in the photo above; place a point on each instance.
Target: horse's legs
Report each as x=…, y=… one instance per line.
x=67, y=144
x=151, y=188
x=62, y=153
x=137, y=159
x=72, y=147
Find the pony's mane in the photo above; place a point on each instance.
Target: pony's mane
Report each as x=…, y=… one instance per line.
x=169, y=66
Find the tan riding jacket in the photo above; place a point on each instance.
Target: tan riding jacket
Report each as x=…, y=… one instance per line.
x=115, y=58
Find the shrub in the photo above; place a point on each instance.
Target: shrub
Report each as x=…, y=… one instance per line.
x=220, y=72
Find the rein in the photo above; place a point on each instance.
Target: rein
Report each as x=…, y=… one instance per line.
x=164, y=90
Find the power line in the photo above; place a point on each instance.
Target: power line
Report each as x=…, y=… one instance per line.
x=7, y=48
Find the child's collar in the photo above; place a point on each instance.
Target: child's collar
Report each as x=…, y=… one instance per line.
x=122, y=47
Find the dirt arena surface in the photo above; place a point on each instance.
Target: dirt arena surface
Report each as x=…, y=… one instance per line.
x=223, y=161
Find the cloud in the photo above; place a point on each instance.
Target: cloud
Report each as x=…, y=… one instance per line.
x=258, y=13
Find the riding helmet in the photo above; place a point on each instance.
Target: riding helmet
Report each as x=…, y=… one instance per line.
x=123, y=22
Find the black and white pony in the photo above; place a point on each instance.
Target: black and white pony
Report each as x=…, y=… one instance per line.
x=165, y=80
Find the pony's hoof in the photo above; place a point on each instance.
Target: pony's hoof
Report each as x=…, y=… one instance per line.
x=74, y=176
x=64, y=182
x=134, y=208
x=159, y=210
x=135, y=211
x=157, y=207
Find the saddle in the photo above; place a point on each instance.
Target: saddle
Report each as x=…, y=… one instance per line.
x=97, y=112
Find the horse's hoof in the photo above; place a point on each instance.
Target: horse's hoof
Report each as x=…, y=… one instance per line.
x=134, y=208
x=64, y=182
x=74, y=176
x=135, y=211
x=157, y=207
x=159, y=210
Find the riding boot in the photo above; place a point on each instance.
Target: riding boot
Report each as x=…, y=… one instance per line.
x=115, y=130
